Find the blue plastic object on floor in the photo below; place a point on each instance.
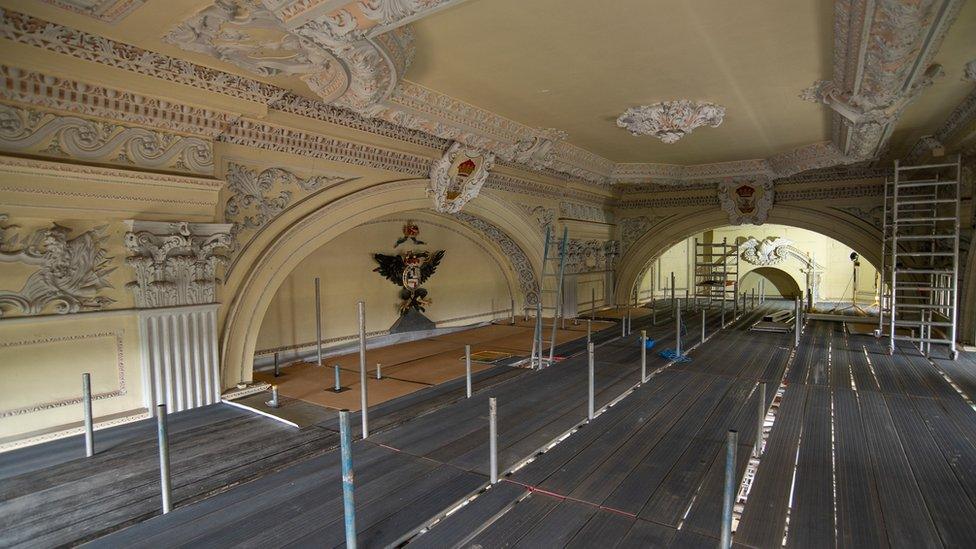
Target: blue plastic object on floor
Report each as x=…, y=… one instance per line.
x=649, y=344
x=671, y=355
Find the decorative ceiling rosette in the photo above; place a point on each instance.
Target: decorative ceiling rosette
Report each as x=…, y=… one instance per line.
x=669, y=121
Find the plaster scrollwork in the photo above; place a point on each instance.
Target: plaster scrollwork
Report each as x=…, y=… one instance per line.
x=176, y=263
x=26, y=130
x=969, y=71
x=538, y=151
x=70, y=271
x=109, y=11
x=746, y=201
x=587, y=256
x=769, y=251
x=543, y=216
x=633, y=228
x=528, y=281
x=669, y=121
x=457, y=177
x=262, y=193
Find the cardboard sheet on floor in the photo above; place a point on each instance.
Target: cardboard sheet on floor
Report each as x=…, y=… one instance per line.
x=290, y=411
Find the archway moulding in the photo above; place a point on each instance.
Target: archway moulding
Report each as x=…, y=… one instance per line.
x=249, y=291
x=848, y=229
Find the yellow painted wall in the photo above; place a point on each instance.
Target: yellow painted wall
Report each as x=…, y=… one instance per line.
x=470, y=279
x=836, y=280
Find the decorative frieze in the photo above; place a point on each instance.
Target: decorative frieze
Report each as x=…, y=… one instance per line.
x=31, y=131
x=543, y=216
x=457, y=177
x=109, y=11
x=589, y=256
x=584, y=212
x=69, y=273
x=176, y=263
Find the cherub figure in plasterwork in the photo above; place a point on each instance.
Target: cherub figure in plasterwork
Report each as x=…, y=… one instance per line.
x=770, y=251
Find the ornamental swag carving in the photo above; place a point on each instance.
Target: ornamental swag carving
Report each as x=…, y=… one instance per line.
x=176, y=263
x=71, y=271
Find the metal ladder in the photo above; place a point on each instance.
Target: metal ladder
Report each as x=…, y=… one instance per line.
x=538, y=344
x=924, y=255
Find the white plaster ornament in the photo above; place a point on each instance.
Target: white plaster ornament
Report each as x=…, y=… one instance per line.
x=746, y=202
x=669, y=121
x=458, y=177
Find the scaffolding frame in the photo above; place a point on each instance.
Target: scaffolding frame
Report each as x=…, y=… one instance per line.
x=923, y=247
x=538, y=343
x=713, y=277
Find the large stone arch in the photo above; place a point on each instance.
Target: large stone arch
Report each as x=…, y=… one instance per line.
x=779, y=277
x=249, y=291
x=852, y=231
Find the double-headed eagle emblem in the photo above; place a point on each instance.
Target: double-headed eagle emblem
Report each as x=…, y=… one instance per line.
x=409, y=270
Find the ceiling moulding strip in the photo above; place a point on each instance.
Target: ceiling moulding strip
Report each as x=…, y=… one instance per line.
x=354, y=19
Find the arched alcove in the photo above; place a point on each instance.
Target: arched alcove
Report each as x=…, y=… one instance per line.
x=251, y=290
x=776, y=283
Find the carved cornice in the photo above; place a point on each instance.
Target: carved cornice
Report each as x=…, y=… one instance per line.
x=109, y=11
x=176, y=263
x=32, y=131
x=347, y=20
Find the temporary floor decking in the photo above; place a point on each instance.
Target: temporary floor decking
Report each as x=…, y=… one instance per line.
x=884, y=444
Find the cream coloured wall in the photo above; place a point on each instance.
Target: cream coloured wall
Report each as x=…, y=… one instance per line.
x=468, y=282
x=836, y=280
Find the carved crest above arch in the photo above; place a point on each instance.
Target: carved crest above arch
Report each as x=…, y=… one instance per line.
x=746, y=202
x=458, y=177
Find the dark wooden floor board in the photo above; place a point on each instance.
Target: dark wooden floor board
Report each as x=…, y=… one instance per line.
x=559, y=526
x=673, y=496
x=705, y=514
x=906, y=518
x=864, y=379
x=645, y=534
x=510, y=527
x=604, y=529
x=840, y=360
x=948, y=503
x=818, y=371
x=44, y=456
x=632, y=492
x=859, y=519
x=962, y=372
x=812, y=512
x=467, y=521
x=597, y=483
x=764, y=517
x=884, y=367
x=958, y=449
x=924, y=379
x=267, y=492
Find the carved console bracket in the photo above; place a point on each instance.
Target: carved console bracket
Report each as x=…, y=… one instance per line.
x=176, y=263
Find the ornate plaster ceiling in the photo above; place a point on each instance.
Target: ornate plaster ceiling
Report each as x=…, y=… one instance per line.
x=541, y=83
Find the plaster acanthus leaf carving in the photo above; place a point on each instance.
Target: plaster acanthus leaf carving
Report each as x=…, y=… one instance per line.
x=538, y=151
x=176, y=263
x=33, y=131
x=633, y=228
x=770, y=251
x=457, y=177
x=109, y=11
x=746, y=201
x=669, y=121
x=70, y=271
x=355, y=19
x=256, y=192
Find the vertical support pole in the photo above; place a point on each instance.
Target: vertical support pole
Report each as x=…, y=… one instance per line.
x=677, y=331
x=492, y=314
x=276, y=371
x=86, y=404
x=363, y=400
x=735, y=300
x=590, y=395
x=753, y=298
x=348, y=480
x=796, y=322
x=379, y=371
x=513, y=312
x=672, y=292
x=338, y=384
x=538, y=323
x=654, y=316
x=162, y=436
x=643, y=344
x=273, y=403
x=760, y=420
x=589, y=330
x=703, y=325
x=592, y=302
x=728, y=497
x=318, y=323
x=467, y=368
x=723, y=313
x=493, y=438
x=623, y=326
